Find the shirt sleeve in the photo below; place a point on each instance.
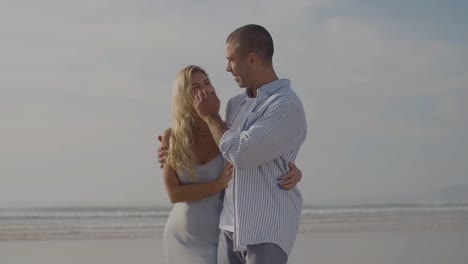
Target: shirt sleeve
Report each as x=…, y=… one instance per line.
x=274, y=133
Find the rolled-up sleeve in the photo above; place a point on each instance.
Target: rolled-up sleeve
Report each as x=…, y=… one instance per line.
x=280, y=129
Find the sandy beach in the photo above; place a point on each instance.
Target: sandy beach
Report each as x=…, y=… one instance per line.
x=402, y=245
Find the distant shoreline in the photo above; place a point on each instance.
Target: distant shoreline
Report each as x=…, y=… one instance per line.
x=166, y=206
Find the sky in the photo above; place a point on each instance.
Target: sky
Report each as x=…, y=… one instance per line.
x=85, y=88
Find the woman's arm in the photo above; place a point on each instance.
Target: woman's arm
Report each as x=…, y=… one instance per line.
x=178, y=192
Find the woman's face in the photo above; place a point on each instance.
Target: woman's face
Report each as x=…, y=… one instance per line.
x=199, y=82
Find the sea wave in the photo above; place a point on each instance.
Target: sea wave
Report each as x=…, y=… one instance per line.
x=383, y=211
x=104, y=222
x=77, y=214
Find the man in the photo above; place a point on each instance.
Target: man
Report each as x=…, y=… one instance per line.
x=265, y=126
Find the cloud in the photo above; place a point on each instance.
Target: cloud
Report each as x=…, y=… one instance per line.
x=356, y=55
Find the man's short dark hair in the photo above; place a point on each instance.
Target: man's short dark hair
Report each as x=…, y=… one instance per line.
x=253, y=38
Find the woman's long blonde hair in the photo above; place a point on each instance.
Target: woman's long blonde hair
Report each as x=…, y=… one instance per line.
x=181, y=156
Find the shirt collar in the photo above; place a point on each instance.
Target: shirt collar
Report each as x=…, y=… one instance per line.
x=270, y=87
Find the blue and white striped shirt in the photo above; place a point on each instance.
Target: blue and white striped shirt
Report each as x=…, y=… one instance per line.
x=270, y=137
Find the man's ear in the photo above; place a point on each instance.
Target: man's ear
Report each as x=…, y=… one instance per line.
x=252, y=58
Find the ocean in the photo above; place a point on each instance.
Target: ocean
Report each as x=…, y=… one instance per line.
x=77, y=223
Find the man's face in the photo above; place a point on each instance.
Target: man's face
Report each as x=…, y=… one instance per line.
x=237, y=65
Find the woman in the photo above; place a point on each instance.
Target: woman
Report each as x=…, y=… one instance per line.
x=195, y=175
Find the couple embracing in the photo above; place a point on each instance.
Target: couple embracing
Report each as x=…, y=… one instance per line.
x=233, y=180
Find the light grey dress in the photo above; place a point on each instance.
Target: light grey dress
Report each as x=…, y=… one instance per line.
x=192, y=229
